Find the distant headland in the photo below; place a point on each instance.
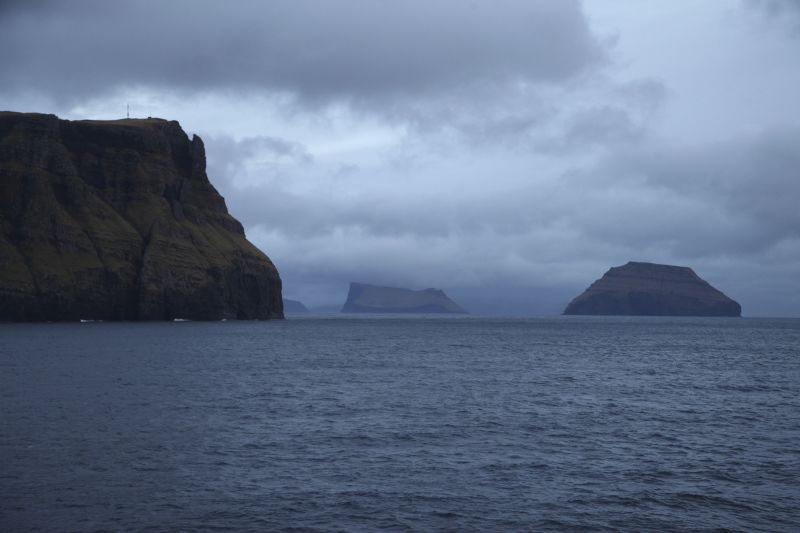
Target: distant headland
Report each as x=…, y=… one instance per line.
x=652, y=289
x=294, y=307
x=364, y=298
x=117, y=220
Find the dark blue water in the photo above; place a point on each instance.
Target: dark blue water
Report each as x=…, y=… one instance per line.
x=407, y=424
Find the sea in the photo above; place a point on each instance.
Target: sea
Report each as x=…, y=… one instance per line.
x=413, y=423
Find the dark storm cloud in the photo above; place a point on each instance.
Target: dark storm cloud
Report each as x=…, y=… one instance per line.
x=313, y=49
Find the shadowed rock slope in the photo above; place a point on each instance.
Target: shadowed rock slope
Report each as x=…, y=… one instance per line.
x=651, y=289
x=364, y=298
x=117, y=220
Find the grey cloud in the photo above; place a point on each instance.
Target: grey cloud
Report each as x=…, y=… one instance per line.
x=250, y=147
x=615, y=114
x=554, y=120
x=647, y=94
x=623, y=118
x=12, y=6
x=230, y=159
x=735, y=197
x=602, y=122
x=602, y=126
x=316, y=50
x=776, y=7
x=787, y=11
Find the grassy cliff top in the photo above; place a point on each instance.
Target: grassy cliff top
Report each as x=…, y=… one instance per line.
x=127, y=121
x=141, y=122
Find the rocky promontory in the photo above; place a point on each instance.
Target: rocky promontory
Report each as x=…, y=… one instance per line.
x=117, y=220
x=294, y=307
x=364, y=298
x=652, y=289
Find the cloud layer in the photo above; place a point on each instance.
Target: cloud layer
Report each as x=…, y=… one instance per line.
x=354, y=49
x=704, y=207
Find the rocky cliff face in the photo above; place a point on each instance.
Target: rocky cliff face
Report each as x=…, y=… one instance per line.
x=651, y=289
x=117, y=220
x=364, y=298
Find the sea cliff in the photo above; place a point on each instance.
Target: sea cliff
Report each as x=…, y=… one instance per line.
x=117, y=220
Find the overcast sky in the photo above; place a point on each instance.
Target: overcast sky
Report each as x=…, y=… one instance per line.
x=507, y=151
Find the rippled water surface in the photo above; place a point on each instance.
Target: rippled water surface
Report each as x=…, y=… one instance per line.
x=402, y=423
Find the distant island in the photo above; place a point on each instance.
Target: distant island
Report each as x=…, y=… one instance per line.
x=651, y=289
x=117, y=220
x=364, y=298
x=294, y=307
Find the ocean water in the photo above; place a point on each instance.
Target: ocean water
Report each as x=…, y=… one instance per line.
x=407, y=424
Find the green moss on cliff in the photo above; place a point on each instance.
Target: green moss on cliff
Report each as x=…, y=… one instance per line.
x=117, y=220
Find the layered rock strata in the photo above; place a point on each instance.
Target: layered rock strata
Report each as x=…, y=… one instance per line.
x=652, y=289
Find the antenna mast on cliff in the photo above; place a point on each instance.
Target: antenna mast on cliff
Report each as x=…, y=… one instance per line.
x=129, y=110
